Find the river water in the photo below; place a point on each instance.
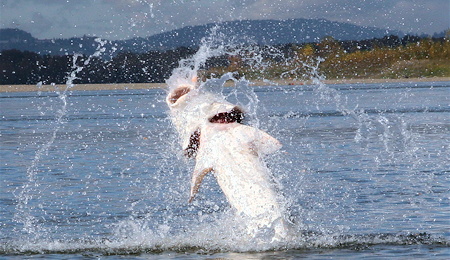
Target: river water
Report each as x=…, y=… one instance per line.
x=99, y=175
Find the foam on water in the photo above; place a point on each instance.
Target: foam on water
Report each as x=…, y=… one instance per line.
x=209, y=239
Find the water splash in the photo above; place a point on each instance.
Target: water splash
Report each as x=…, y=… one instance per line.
x=142, y=240
x=392, y=130
x=152, y=217
x=32, y=227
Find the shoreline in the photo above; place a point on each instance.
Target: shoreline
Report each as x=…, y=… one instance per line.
x=126, y=86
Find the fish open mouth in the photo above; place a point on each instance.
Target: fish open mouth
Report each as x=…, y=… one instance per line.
x=177, y=93
x=232, y=116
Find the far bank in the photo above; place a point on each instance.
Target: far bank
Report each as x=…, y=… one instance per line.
x=125, y=86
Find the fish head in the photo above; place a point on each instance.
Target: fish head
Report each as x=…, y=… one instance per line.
x=191, y=107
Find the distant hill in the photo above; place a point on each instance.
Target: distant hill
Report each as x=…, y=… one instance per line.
x=15, y=35
x=263, y=32
x=271, y=32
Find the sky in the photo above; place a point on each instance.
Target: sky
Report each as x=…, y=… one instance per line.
x=125, y=19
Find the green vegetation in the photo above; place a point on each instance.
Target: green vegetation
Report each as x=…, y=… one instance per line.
x=388, y=57
x=426, y=58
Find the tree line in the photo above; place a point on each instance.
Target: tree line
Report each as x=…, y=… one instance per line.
x=389, y=56
x=25, y=67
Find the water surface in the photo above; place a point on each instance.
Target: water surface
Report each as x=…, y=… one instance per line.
x=364, y=167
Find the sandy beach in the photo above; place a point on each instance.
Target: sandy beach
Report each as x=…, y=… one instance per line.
x=125, y=86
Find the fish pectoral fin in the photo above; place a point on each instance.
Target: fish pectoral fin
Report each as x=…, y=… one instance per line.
x=259, y=142
x=197, y=178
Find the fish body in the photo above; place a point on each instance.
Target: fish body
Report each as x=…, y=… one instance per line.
x=233, y=152
x=210, y=131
